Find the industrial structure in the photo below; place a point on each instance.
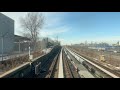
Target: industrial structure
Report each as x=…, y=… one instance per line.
x=8, y=41
x=6, y=34
x=21, y=43
x=47, y=42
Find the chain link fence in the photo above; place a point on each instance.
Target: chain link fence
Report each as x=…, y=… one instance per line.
x=17, y=60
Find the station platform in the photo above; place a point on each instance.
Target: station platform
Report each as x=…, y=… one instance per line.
x=60, y=73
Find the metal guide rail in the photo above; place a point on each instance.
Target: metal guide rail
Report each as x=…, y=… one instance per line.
x=96, y=65
x=53, y=67
x=82, y=71
x=67, y=70
x=31, y=69
x=60, y=73
x=49, y=65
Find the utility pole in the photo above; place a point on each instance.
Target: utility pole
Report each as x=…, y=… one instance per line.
x=30, y=56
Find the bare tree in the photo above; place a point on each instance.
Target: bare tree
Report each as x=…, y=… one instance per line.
x=32, y=23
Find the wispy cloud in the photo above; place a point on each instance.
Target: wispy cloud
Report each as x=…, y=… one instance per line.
x=54, y=25
x=53, y=19
x=54, y=31
x=51, y=22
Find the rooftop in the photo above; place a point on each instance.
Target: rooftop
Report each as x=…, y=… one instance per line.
x=20, y=38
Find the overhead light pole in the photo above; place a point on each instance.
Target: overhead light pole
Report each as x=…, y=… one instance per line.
x=29, y=48
x=30, y=56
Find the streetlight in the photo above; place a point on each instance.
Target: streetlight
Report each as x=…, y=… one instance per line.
x=29, y=48
x=30, y=56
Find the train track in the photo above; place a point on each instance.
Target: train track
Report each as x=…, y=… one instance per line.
x=49, y=65
x=102, y=68
x=45, y=63
x=69, y=69
x=81, y=69
x=53, y=70
x=44, y=67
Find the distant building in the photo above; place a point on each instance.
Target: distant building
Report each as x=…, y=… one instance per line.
x=82, y=44
x=7, y=33
x=11, y=42
x=21, y=43
x=47, y=43
x=44, y=43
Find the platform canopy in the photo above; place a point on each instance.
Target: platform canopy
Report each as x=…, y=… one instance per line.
x=21, y=39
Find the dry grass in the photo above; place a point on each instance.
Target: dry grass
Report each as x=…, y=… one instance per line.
x=17, y=61
x=94, y=54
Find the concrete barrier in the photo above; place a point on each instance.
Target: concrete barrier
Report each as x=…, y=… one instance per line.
x=26, y=68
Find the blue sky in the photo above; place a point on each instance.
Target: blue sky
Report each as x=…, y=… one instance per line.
x=77, y=27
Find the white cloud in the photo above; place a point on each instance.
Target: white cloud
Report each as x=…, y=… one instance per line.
x=52, y=31
x=51, y=22
x=54, y=23
x=54, y=19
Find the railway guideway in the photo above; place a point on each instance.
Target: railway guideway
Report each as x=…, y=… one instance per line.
x=83, y=72
x=60, y=73
x=97, y=66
